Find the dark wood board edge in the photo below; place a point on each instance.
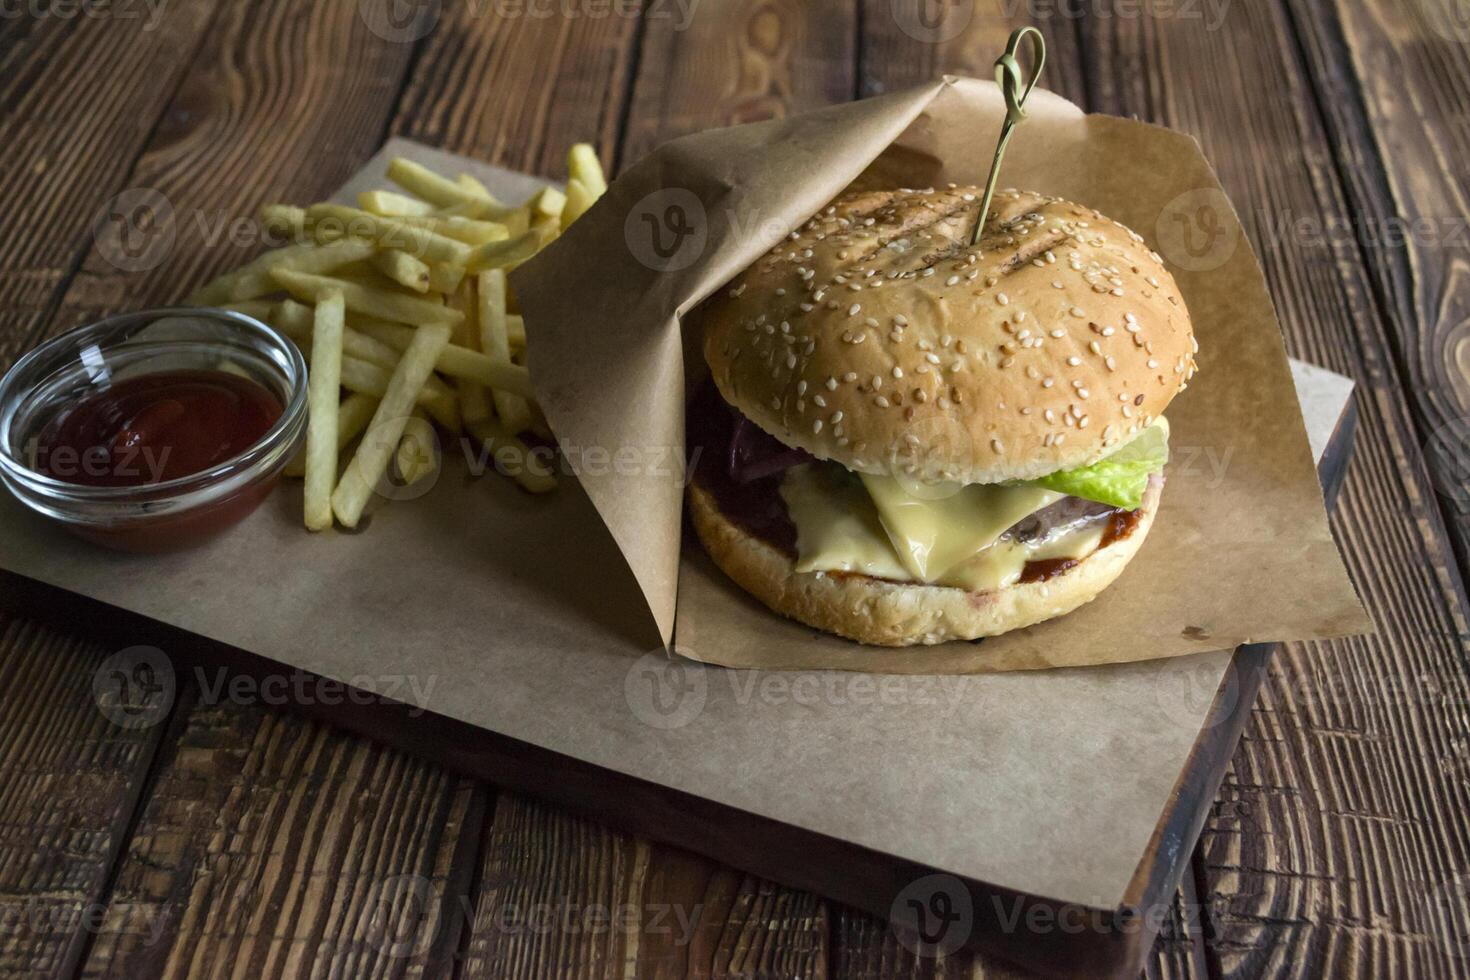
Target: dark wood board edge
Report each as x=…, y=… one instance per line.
x=1171, y=847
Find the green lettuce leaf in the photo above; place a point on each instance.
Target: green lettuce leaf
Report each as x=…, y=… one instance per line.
x=1119, y=479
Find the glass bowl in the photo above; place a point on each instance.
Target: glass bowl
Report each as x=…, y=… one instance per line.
x=173, y=513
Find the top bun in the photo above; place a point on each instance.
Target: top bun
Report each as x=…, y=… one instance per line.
x=877, y=336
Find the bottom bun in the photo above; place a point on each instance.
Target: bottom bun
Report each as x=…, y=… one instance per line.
x=898, y=614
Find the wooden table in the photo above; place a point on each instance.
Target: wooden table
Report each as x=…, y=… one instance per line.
x=236, y=839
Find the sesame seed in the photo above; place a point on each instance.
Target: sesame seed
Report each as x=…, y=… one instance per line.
x=801, y=387
x=836, y=416
x=952, y=281
x=816, y=426
x=1076, y=311
x=1094, y=347
x=831, y=384
x=997, y=445
x=850, y=377
x=854, y=309
x=897, y=371
x=1074, y=360
x=821, y=402
x=881, y=401
x=1002, y=299
x=1152, y=363
x=1048, y=382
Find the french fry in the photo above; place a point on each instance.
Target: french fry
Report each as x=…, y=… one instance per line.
x=509, y=452
x=323, y=383
x=254, y=280
x=386, y=428
x=415, y=458
x=439, y=191
x=474, y=397
x=471, y=231
x=408, y=236
x=378, y=343
x=471, y=183
x=284, y=220
x=548, y=201
x=509, y=253
x=352, y=417
x=579, y=199
x=391, y=205
x=404, y=269
x=369, y=375
x=372, y=379
x=456, y=361
x=364, y=299
x=445, y=278
x=583, y=165
x=494, y=342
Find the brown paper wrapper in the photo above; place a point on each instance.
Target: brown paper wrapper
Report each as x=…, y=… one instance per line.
x=1240, y=551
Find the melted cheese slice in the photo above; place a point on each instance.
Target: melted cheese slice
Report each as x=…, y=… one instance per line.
x=843, y=524
x=1002, y=564
x=949, y=523
x=837, y=528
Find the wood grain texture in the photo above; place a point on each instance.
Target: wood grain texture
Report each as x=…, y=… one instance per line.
x=256, y=116
x=273, y=847
x=1342, y=811
x=271, y=109
x=908, y=42
x=69, y=141
x=69, y=782
x=561, y=896
x=518, y=91
x=736, y=62
x=1393, y=80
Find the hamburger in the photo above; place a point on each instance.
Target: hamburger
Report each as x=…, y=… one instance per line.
x=912, y=437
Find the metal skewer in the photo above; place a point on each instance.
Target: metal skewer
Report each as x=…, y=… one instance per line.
x=1008, y=77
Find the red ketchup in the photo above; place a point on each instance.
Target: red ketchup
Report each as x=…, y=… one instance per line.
x=156, y=427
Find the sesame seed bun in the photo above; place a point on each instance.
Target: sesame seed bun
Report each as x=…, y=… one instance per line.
x=877, y=336
x=895, y=614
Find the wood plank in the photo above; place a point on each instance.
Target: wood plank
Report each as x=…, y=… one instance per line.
x=260, y=117
x=566, y=897
x=70, y=779
x=519, y=91
x=279, y=847
x=739, y=62
x=80, y=96
x=909, y=42
x=1338, y=814
x=1393, y=81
